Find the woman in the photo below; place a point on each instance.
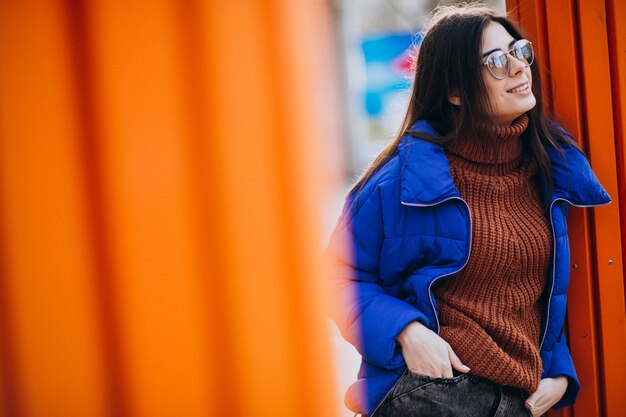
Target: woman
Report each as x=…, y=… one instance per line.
x=454, y=291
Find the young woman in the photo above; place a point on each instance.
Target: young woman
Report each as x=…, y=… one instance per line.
x=454, y=288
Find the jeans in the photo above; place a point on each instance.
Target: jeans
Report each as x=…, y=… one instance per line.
x=464, y=395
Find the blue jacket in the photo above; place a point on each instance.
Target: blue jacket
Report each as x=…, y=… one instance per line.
x=409, y=228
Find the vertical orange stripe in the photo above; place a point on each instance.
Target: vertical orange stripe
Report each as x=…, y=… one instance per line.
x=57, y=358
x=513, y=9
x=248, y=183
x=599, y=117
x=304, y=31
x=196, y=62
x=9, y=393
x=565, y=60
x=148, y=197
x=567, y=99
x=569, y=71
x=260, y=204
x=616, y=19
x=90, y=131
x=532, y=16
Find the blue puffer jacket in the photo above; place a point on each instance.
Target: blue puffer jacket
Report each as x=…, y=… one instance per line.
x=409, y=228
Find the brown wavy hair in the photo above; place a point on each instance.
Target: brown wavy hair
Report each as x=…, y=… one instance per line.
x=447, y=63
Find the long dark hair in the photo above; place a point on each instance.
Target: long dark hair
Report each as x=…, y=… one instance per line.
x=448, y=63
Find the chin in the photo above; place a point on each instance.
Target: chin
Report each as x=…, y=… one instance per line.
x=523, y=109
x=531, y=103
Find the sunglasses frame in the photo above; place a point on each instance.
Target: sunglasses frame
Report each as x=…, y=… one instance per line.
x=509, y=54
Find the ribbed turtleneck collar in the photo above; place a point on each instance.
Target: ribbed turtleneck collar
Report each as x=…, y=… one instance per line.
x=492, y=144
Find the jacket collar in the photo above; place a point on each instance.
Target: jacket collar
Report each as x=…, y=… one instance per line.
x=425, y=177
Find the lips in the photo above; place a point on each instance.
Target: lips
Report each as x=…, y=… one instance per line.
x=520, y=87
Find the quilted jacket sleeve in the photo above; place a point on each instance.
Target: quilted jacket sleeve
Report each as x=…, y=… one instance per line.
x=367, y=316
x=562, y=365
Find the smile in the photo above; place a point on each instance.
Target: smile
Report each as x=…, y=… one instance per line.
x=519, y=88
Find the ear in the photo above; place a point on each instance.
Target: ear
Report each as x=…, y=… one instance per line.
x=454, y=99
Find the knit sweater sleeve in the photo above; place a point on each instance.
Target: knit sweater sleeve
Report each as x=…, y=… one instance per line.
x=367, y=315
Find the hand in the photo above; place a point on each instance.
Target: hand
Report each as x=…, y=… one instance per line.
x=550, y=391
x=426, y=353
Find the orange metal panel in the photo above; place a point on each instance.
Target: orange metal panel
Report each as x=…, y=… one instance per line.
x=567, y=99
x=616, y=20
x=246, y=180
x=565, y=69
x=532, y=17
x=601, y=145
x=300, y=29
x=78, y=33
x=8, y=404
x=147, y=195
x=130, y=125
x=576, y=50
x=275, y=96
x=264, y=132
x=196, y=64
x=48, y=294
x=262, y=227
x=581, y=323
x=512, y=9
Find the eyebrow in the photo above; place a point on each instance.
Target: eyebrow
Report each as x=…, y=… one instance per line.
x=498, y=49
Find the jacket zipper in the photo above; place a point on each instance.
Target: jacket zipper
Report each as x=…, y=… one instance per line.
x=553, y=279
x=469, y=250
x=430, y=295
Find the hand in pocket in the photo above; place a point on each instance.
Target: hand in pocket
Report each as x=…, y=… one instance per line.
x=425, y=352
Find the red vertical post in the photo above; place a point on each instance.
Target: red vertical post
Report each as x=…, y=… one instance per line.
x=568, y=102
x=596, y=70
x=585, y=90
x=616, y=21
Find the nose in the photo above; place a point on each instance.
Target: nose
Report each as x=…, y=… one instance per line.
x=515, y=66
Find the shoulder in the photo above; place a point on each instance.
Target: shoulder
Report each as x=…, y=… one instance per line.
x=574, y=178
x=563, y=149
x=386, y=176
x=418, y=168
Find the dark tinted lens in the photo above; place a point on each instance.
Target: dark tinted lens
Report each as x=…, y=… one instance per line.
x=498, y=64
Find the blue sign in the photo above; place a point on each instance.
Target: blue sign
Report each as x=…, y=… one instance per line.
x=388, y=67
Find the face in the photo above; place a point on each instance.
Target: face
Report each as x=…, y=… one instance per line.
x=512, y=96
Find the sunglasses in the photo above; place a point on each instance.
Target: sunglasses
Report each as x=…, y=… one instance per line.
x=498, y=62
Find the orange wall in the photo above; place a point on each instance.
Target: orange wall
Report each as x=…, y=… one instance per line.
x=582, y=47
x=160, y=179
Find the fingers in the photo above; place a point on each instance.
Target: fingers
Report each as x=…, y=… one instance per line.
x=456, y=362
x=427, y=353
x=548, y=393
x=536, y=401
x=539, y=406
x=531, y=401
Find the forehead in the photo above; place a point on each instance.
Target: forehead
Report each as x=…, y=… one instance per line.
x=495, y=36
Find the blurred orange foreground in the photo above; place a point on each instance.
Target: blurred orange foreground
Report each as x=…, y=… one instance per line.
x=160, y=184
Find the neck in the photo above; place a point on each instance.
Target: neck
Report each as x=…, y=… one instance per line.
x=491, y=144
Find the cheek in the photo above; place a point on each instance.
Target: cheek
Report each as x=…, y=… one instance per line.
x=499, y=96
x=493, y=90
x=529, y=74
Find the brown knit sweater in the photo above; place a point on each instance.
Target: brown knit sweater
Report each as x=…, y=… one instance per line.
x=490, y=313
